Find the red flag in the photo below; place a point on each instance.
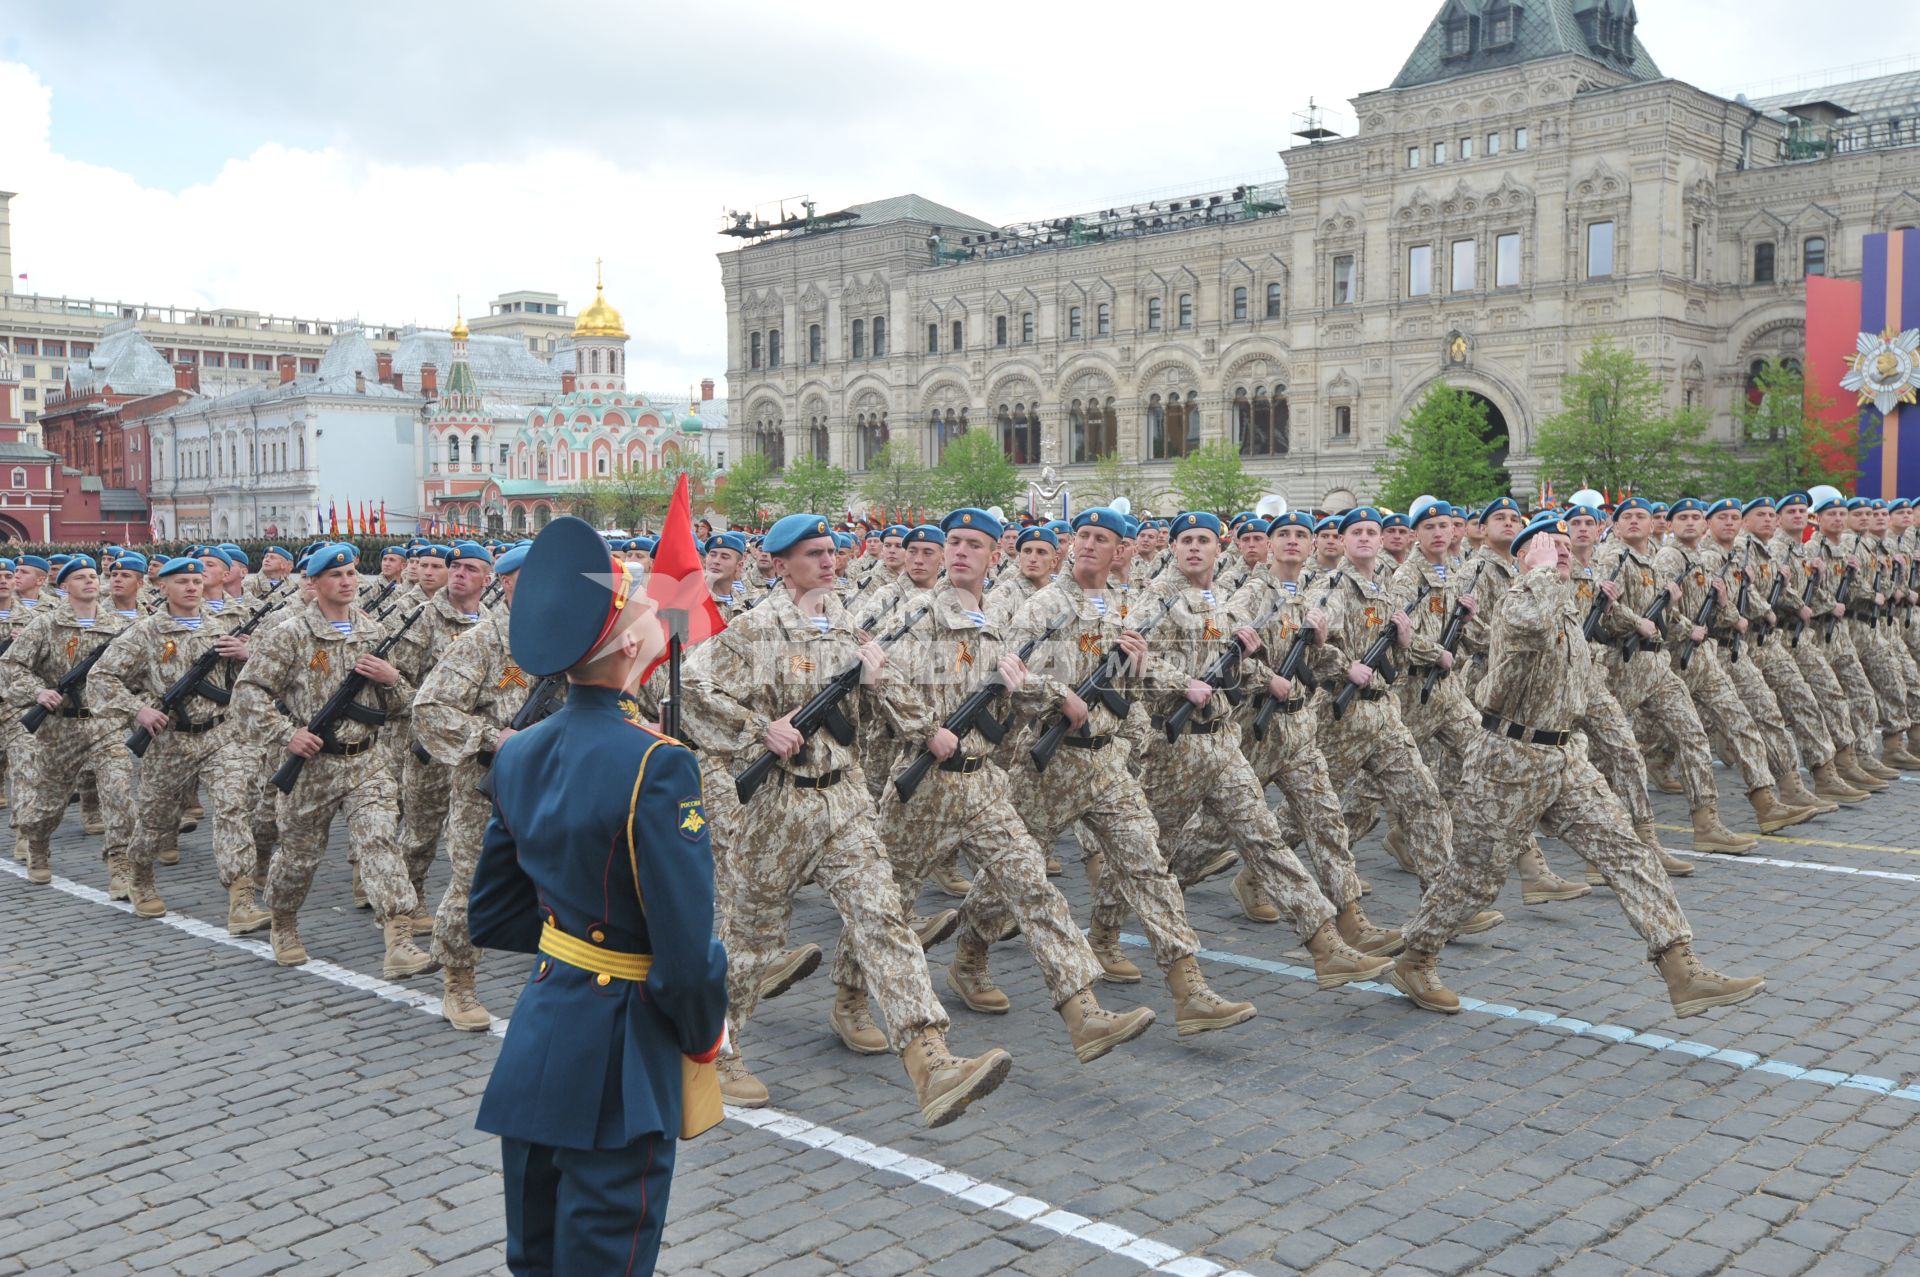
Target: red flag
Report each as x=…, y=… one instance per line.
x=678, y=584
x=333, y=519
x=383, y=516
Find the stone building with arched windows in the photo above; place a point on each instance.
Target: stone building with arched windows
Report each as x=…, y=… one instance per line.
x=1528, y=182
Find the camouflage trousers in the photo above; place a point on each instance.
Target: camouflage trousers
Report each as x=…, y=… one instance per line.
x=1510, y=790
x=1783, y=755
x=468, y=811
x=1845, y=662
x=1370, y=744
x=1837, y=707
x=426, y=790
x=1615, y=753
x=62, y=749
x=1208, y=773
x=1909, y=672
x=1651, y=694
x=175, y=766
x=1883, y=675
x=789, y=837
x=1805, y=724
x=360, y=788
x=1441, y=730
x=263, y=811
x=1726, y=716
x=1096, y=788
x=971, y=814
x=15, y=765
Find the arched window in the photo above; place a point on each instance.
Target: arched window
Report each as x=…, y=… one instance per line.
x=473, y=451
x=879, y=337
x=542, y=515
x=944, y=428
x=1073, y=321
x=933, y=338
x=300, y=447
x=1173, y=426
x=1186, y=310
x=1026, y=328
x=817, y=437
x=773, y=348
x=1153, y=314
x=813, y=343
x=1103, y=319
x=999, y=330
x=1092, y=430
x=1763, y=262
x=19, y=476
x=453, y=451
x=859, y=339
x=959, y=334
x=1019, y=432
x=1240, y=303
x=1273, y=301
x=593, y=356
x=519, y=518
x=1261, y=426
x=872, y=430
x=753, y=353
x=1813, y=256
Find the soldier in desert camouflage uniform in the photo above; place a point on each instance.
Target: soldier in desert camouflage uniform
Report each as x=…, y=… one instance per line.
x=14, y=740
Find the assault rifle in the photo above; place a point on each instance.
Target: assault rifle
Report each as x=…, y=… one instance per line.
x=1655, y=610
x=971, y=714
x=1740, y=604
x=173, y=701
x=1878, y=607
x=1097, y=686
x=69, y=685
x=1591, y=626
x=381, y=597
x=1293, y=666
x=1772, y=618
x=542, y=699
x=1842, y=595
x=343, y=705
x=1701, y=617
x=1378, y=656
x=493, y=592
x=823, y=710
x=1223, y=667
x=1451, y=634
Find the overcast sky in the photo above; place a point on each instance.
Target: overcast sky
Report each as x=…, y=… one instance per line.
x=378, y=159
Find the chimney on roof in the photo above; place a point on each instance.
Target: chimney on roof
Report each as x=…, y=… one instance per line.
x=186, y=377
x=706, y=389
x=566, y=383
x=430, y=381
x=399, y=381
x=287, y=367
x=359, y=382
x=385, y=364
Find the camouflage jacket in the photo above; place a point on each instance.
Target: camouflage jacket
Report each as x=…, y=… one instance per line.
x=1539, y=669
x=473, y=691
x=152, y=655
x=296, y=666
x=52, y=643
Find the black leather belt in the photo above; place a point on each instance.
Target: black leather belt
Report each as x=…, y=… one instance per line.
x=1194, y=726
x=194, y=729
x=1086, y=742
x=827, y=781
x=1521, y=732
x=74, y=711
x=1373, y=693
x=965, y=764
x=346, y=751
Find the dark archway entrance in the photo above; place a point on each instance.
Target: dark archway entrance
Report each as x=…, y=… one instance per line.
x=11, y=531
x=1496, y=429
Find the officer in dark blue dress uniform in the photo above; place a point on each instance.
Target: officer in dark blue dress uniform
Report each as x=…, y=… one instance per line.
x=596, y=859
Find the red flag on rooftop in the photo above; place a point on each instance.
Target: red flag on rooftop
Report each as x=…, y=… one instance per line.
x=678, y=584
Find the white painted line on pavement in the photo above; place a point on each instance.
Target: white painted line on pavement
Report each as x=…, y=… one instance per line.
x=1152, y=1255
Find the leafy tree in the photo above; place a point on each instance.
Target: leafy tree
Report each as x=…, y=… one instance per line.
x=1212, y=477
x=1442, y=449
x=811, y=486
x=896, y=482
x=1616, y=432
x=1113, y=477
x=1785, y=441
x=636, y=497
x=976, y=472
x=748, y=491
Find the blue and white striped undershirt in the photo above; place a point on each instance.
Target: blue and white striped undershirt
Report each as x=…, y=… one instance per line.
x=344, y=627
x=1208, y=596
x=978, y=618
x=1099, y=605
x=84, y=622
x=187, y=622
x=821, y=623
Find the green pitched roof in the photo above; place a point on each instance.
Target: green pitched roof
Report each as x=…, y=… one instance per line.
x=1498, y=33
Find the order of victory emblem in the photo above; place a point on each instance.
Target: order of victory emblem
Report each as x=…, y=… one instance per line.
x=1885, y=370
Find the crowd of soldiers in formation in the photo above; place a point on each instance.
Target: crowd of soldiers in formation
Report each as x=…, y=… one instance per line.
x=904, y=707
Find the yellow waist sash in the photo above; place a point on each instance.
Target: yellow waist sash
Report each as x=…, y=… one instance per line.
x=606, y=963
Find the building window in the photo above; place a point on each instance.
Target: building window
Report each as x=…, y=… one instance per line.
x=1466, y=148
x=453, y=453
x=1459, y=39
x=959, y=335
x=1599, y=250
x=1506, y=261
x=933, y=339
x=1463, y=263
x=1261, y=426
x=1439, y=152
x=1343, y=421
x=28, y=371
x=473, y=452
x=1420, y=270
x=1073, y=321
x=1239, y=303
x=30, y=394
x=1103, y=319
x=1343, y=280
x=1026, y=328
x=26, y=346
x=859, y=339
x=602, y=461
x=1520, y=138
x=1500, y=28
x=1413, y=157
x=19, y=477
x=505, y=455
x=1173, y=427
x=1813, y=256
x=1019, y=432
x=1273, y=301
x=813, y=343
x=54, y=349
x=879, y=337
x=753, y=353
x=1763, y=262
x=1153, y=314
x=1092, y=430
x=1186, y=310
x=1493, y=144
x=1694, y=265
x=773, y=353
x=1000, y=330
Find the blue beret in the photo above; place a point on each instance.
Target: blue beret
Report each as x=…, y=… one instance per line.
x=235, y=554
x=1660, y=507
x=1291, y=519
x=1241, y=517
x=727, y=541
x=1500, y=503
x=1255, y=524
x=1331, y=523
x=1544, y=523
x=328, y=557
x=843, y=540
x=471, y=550
x=213, y=552
x=1877, y=504
x=1038, y=534
x=973, y=519
x=1431, y=510
x=572, y=597
x=129, y=561
x=1899, y=503
x=895, y=530
x=182, y=566
x=59, y=560
x=399, y=551
x=1359, y=514
x=279, y=550
x=1395, y=520
x=6, y=565
x=1685, y=504
x=1795, y=498
x=1102, y=516
x=444, y=553
x=1633, y=503
x=1059, y=526
x=1722, y=506
x=1188, y=520
x=75, y=564
x=926, y=534
x=35, y=561
x=1581, y=512
x=1758, y=503
x=1132, y=528
x=644, y=544
x=1829, y=503
x=510, y=560
x=789, y=532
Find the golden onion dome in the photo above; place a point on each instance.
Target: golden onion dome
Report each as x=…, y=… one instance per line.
x=459, y=329
x=600, y=319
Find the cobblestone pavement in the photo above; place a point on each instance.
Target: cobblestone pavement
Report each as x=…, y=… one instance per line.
x=171, y=1102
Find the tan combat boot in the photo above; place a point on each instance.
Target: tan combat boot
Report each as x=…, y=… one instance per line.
x=852, y=1020
x=1693, y=988
x=946, y=1083
x=1115, y=967
x=167, y=855
x=968, y=976
x=144, y=895
x=1198, y=1009
x=1829, y=784
x=1893, y=752
x=1874, y=767
x=357, y=887
x=739, y=1087
x=1364, y=934
x=195, y=812
x=1252, y=902
x=948, y=879
x=244, y=916
x=1540, y=884
x=1794, y=793
x=931, y=931
x=119, y=877
x=1335, y=962
x=1396, y=844
x=1675, y=867
x=39, y=862
x=404, y=959
x=1096, y=1030
x=1662, y=778
x=421, y=919
x=1913, y=747
x=1710, y=835
x=20, y=848
x=1485, y=920
x=1054, y=867
x=1773, y=814
x=1095, y=863
x=92, y=821
x=460, y=1004
x=1417, y=975
x=287, y=949
x=1215, y=867
x=789, y=969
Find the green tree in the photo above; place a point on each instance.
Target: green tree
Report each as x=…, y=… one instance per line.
x=976, y=472
x=811, y=486
x=748, y=491
x=1213, y=477
x=1784, y=440
x=1615, y=431
x=1442, y=449
x=1113, y=477
x=896, y=482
